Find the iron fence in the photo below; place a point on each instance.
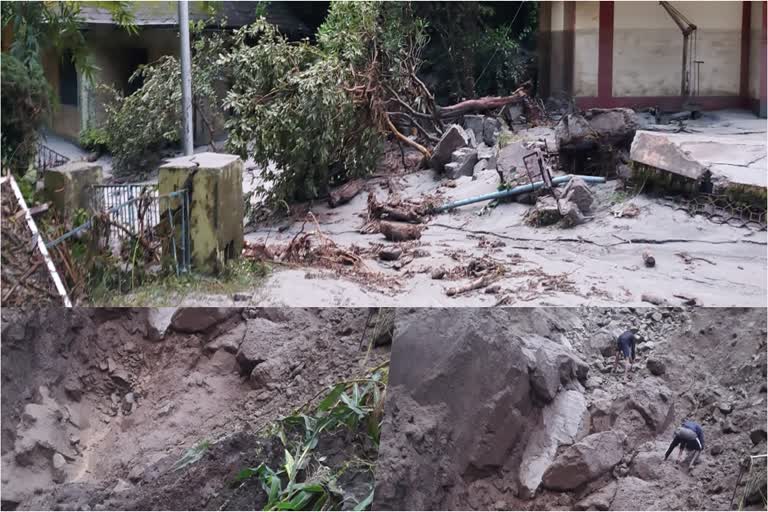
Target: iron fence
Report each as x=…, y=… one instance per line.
x=138, y=212
x=48, y=158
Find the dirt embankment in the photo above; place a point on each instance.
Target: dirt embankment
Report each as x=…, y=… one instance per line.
x=99, y=406
x=517, y=409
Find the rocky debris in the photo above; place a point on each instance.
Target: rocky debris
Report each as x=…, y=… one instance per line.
x=585, y=461
x=390, y=254
x=486, y=128
x=577, y=192
x=454, y=138
x=58, y=462
x=157, y=322
x=600, y=500
x=228, y=341
x=758, y=436
x=552, y=366
x=648, y=465
x=199, y=320
x=656, y=366
x=462, y=163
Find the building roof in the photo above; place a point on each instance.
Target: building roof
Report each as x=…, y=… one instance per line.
x=236, y=14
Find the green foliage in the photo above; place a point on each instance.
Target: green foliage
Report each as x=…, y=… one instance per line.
x=26, y=105
x=93, y=139
x=38, y=26
x=139, y=126
x=192, y=455
x=303, y=482
x=290, y=108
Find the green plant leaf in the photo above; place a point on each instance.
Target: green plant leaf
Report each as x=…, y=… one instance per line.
x=331, y=398
x=363, y=505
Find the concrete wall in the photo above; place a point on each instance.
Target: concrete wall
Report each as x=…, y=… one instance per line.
x=586, y=27
x=557, y=57
x=648, y=45
x=66, y=118
x=755, y=35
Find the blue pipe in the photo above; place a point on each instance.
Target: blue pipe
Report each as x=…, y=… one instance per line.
x=522, y=189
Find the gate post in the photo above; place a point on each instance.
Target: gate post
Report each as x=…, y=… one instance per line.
x=214, y=182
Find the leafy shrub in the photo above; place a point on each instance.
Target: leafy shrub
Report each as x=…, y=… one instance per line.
x=26, y=105
x=93, y=139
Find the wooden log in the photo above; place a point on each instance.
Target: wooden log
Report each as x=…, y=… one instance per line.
x=474, y=285
x=399, y=232
x=483, y=104
x=345, y=193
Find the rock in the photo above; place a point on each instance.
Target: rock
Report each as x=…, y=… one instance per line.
x=578, y=192
x=471, y=138
x=479, y=166
x=600, y=500
x=574, y=129
x=438, y=273
x=562, y=422
x=656, y=366
x=570, y=214
x=242, y=297
x=647, y=466
x=656, y=316
x=257, y=344
x=552, y=367
x=121, y=486
x=58, y=471
x=545, y=213
x=716, y=449
x=73, y=387
x=757, y=436
x=509, y=159
x=494, y=288
x=725, y=407
x=651, y=400
x=129, y=398
x=491, y=130
x=484, y=152
x=645, y=347
x=585, y=461
x=135, y=474
x=390, y=254
x=454, y=138
x=728, y=428
x=613, y=125
x=475, y=123
x=196, y=320
x=157, y=322
x=632, y=493
x=462, y=164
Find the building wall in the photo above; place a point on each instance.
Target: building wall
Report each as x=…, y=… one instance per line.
x=586, y=27
x=66, y=118
x=557, y=83
x=648, y=46
x=755, y=35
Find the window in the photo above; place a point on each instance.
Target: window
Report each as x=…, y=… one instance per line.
x=67, y=80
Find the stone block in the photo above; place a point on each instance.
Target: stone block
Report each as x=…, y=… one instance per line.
x=67, y=187
x=462, y=164
x=216, y=212
x=475, y=123
x=454, y=138
x=491, y=130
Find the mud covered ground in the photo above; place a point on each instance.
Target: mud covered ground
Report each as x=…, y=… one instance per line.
x=99, y=406
x=518, y=409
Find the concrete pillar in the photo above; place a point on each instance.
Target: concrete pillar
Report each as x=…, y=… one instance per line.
x=215, y=182
x=67, y=186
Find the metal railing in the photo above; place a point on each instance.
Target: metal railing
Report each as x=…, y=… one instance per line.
x=138, y=211
x=48, y=158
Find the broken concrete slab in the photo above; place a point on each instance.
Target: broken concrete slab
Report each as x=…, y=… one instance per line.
x=462, y=164
x=454, y=138
x=68, y=186
x=708, y=156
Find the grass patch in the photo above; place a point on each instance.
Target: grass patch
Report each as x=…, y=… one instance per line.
x=171, y=290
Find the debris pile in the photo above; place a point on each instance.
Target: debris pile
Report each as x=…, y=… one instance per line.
x=569, y=206
x=468, y=149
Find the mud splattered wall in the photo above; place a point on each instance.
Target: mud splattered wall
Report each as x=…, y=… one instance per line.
x=648, y=48
x=586, y=27
x=557, y=56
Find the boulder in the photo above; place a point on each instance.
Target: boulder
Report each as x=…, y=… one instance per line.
x=545, y=213
x=656, y=366
x=758, y=435
x=552, y=367
x=574, y=130
x=157, y=321
x=562, y=422
x=196, y=320
x=599, y=500
x=256, y=345
x=613, y=125
x=228, y=341
x=480, y=166
x=454, y=138
x=652, y=400
x=474, y=122
x=471, y=138
x=633, y=493
x=578, y=192
x=509, y=161
x=570, y=214
x=491, y=130
x=462, y=164
x=484, y=152
x=585, y=461
x=647, y=466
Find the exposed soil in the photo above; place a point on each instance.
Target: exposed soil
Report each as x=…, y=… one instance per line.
x=518, y=409
x=25, y=278
x=92, y=386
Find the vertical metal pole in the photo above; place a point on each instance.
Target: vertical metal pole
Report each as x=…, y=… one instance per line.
x=186, y=77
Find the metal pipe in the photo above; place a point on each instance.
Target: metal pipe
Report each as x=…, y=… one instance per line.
x=186, y=77
x=522, y=189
